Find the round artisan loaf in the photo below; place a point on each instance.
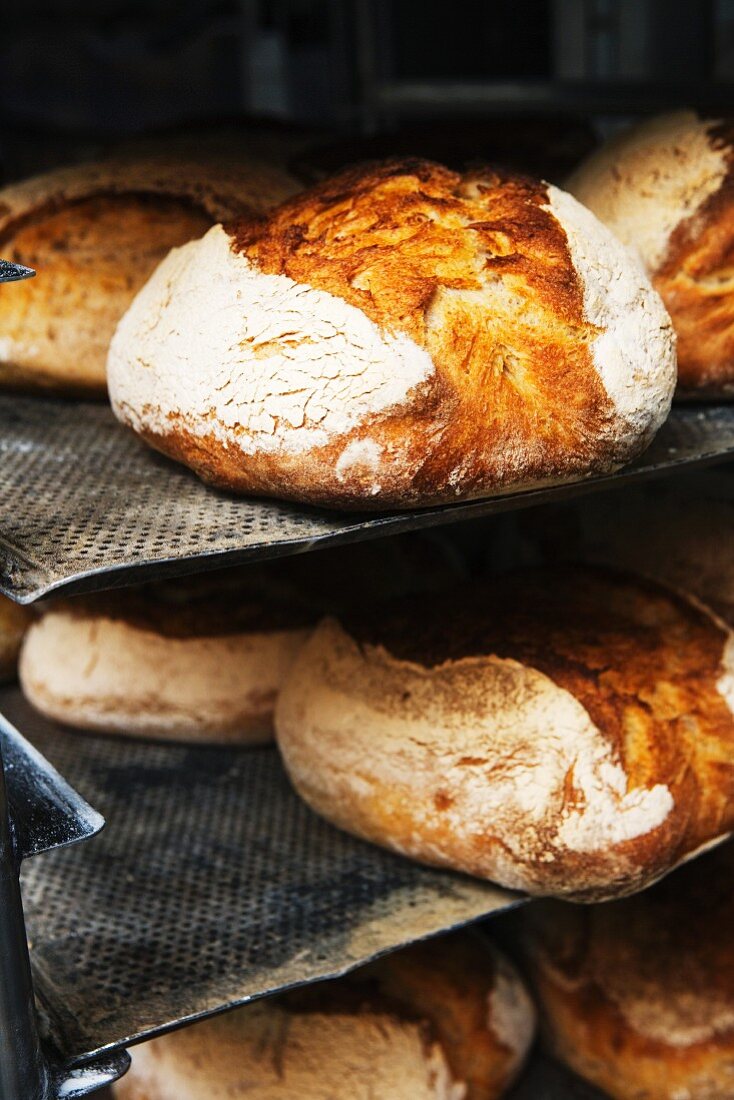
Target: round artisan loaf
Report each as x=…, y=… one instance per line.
x=449, y=1020
x=14, y=621
x=638, y=996
x=665, y=189
x=203, y=658
x=566, y=732
x=398, y=335
x=95, y=232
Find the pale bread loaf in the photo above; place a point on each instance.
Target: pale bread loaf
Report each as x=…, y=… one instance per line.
x=203, y=658
x=638, y=996
x=449, y=1020
x=563, y=732
x=186, y=661
x=665, y=188
x=396, y=336
x=95, y=232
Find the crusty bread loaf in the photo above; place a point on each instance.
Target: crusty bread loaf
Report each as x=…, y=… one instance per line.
x=203, y=658
x=396, y=336
x=638, y=996
x=95, y=232
x=199, y=660
x=566, y=732
x=449, y=1020
x=14, y=621
x=665, y=188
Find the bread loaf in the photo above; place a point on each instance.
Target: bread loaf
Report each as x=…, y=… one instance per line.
x=449, y=1020
x=397, y=336
x=565, y=732
x=638, y=996
x=95, y=232
x=665, y=189
x=203, y=658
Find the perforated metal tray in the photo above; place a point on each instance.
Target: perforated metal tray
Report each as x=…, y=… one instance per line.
x=211, y=884
x=84, y=504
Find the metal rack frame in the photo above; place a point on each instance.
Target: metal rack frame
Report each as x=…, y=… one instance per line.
x=28, y=1068
x=39, y=811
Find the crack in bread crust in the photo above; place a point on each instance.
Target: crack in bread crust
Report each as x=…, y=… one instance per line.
x=96, y=233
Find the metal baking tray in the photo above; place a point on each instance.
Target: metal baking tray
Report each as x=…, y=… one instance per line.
x=84, y=504
x=212, y=884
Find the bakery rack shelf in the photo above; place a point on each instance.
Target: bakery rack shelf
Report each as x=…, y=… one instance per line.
x=213, y=884
x=85, y=505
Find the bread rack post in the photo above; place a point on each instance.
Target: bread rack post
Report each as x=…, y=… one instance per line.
x=52, y=815
x=23, y=1071
x=39, y=812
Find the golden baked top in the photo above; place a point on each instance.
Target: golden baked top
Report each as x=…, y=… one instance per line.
x=666, y=188
x=652, y=670
x=392, y=240
x=397, y=335
x=662, y=962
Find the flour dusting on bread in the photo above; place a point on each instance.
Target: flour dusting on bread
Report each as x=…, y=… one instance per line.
x=270, y=364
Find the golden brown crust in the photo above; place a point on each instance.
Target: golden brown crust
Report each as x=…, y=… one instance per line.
x=417, y=336
x=95, y=233
x=65, y=315
x=392, y=239
x=638, y=996
x=696, y=282
x=455, y=684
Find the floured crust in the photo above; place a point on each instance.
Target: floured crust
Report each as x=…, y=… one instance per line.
x=96, y=673
x=14, y=621
x=95, y=232
x=665, y=188
x=638, y=997
x=564, y=732
x=398, y=335
x=414, y=1026
x=204, y=657
x=199, y=659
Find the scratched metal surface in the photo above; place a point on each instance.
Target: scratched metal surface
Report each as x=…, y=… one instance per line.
x=84, y=504
x=46, y=812
x=212, y=884
x=13, y=273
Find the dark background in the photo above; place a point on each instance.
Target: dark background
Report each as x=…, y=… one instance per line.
x=77, y=75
